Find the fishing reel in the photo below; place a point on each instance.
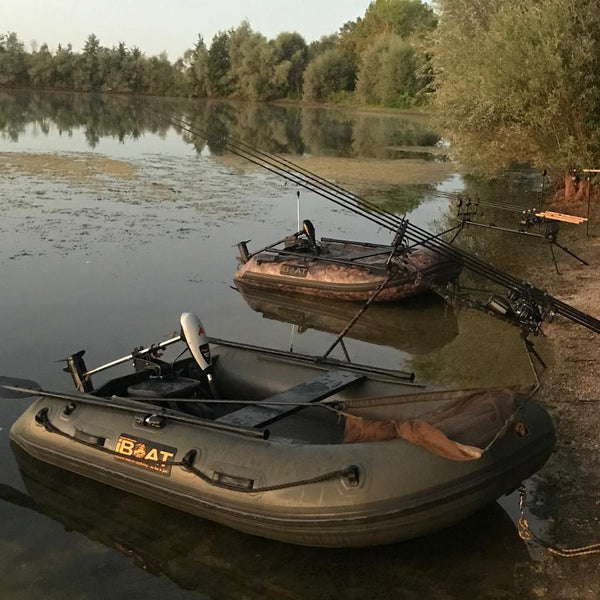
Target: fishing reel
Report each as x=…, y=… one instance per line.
x=529, y=219
x=516, y=308
x=399, y=243
x=467, y=209
x=552, y=229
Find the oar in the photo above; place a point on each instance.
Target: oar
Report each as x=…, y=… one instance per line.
x=11, y=387
x=327, y=403
x=16, y=497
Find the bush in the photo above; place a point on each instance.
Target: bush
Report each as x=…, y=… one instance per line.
x=328, y=74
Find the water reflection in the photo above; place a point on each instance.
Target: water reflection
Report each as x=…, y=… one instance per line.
x=279, y=129
x=487, y=352
x=415, y=325
x=220, y=563
x=108, y=262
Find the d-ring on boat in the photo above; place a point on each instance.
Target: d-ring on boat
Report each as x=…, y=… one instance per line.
x=286, y=446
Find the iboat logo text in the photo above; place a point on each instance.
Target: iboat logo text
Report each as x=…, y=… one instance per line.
x=146, y=454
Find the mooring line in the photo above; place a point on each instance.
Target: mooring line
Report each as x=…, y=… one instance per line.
x=526, y=534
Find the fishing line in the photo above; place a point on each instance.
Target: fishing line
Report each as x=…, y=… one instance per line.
x=338, y=195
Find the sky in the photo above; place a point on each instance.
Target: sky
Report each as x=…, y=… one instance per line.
x=172, y=26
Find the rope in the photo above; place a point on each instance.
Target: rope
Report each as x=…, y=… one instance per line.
x=526, y=534
x=351, y=472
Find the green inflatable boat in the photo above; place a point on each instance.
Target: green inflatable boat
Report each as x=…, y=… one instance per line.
x=287, y=446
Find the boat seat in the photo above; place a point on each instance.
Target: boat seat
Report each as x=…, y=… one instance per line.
x=367, y=253
x=156, y=388
x=324, y=385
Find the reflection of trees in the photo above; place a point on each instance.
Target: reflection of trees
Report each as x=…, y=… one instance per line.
x=292, y=130
x=13, y=117
x=282, y=130
x=270, y=128
x=375, y=135
x=97, y=116
x=398, y=200
x=273, y=128
x=327, y=132
x=362, y=135
x=215, y=121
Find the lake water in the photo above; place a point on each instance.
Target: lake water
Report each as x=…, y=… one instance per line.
x=113, y=223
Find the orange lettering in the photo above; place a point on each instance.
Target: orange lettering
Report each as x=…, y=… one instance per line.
x=125, y=446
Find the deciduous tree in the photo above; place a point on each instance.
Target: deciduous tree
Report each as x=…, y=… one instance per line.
x=290, y=54
x=389, y=73
x=219, y=65
x=13, y=61
x=252, y=64
x=198, y=79
x=519, y=81
x=330, y=74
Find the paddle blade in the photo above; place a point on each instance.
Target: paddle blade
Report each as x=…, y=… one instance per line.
x=29, y=388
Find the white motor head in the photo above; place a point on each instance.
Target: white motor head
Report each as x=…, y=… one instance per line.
x=196, y=339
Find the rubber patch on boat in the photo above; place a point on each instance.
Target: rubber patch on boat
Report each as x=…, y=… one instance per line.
x=521, y=429
x=293, y=270
x=146, y=454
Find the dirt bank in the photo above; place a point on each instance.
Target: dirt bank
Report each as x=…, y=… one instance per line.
x=570, y=482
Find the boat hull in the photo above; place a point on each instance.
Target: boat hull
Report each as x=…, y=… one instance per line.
x=316, y=494
x=336, y=275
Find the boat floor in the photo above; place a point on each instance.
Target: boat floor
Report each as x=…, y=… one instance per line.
x=311, y=426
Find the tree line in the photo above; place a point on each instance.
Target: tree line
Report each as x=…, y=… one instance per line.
x=519, y=82
x=508, y=81
x=379, y=59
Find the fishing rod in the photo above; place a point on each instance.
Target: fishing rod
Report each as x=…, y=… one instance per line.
x=297, y=174
x=544, y=302
x=387, y=220
x=274, y=163
x=290, y=171
x=416, y=191
x=491, y=203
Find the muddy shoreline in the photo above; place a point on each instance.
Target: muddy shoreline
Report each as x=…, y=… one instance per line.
x=570, y=481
